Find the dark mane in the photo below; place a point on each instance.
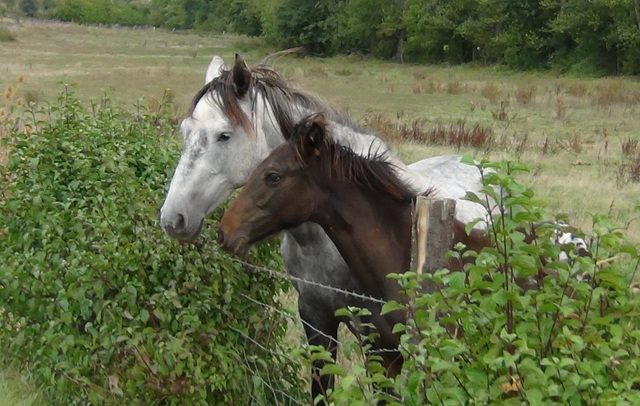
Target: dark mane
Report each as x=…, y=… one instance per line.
x=341, y=163
x=266, y=82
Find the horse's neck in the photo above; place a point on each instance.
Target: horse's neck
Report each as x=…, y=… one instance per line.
x=266, y=118
x=359, y=141
x=267, y=123
x=366, y=144
x=372, y=233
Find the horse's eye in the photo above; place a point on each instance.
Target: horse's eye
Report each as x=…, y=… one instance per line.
x=272, y=178
x=224, y=137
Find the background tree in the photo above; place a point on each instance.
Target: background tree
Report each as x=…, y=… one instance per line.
x=369, y=27
x=582, y=36
x=433, y=30
x=29, y=8
x=307, y=23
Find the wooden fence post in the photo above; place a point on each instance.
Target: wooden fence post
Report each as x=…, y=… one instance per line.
x=432, y=233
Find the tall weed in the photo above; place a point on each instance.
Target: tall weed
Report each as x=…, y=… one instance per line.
x=457, y=134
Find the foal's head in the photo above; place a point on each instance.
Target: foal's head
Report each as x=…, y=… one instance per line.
x=292, y=185
x=279, y=193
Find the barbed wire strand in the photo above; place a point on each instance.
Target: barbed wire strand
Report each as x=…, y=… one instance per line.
x=254, y=373
x=262, y=347
x=308, y=282
x=291, y=317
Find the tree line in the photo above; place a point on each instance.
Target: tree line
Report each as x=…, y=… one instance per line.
x=578, y=36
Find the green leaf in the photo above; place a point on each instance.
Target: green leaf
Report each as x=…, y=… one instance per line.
x=534, y=397
x=332, y=369
x=468, y=160
x=524, y=265
x=391, y=306
x=471, y=225
x=144, y=316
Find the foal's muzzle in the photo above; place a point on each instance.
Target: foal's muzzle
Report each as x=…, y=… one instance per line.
x=237, y=245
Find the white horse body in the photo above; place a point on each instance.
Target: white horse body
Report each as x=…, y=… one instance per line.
x=219, y=155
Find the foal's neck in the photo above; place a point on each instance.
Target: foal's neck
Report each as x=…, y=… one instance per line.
x=372, y=233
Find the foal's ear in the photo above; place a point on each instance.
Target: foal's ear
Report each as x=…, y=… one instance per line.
x=216, y=66
x=314, y=135
x=241, y=76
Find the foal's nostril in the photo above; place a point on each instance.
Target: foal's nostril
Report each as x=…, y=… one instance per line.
x=220, y=237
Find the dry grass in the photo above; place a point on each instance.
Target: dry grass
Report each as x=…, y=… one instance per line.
x=316, y=71
x=491, y=92
x=628, y=169
x=16, y=389
x=454, y=87
x=614, y=91
x=560, y=108
x=457, y=135
x=131, y=63
x=6, y=35
x=577, y=90
x=420, y=75
x=525, y=94
x=501, y=113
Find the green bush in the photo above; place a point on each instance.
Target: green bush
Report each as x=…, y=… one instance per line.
x=96, y=301
x=481, y=339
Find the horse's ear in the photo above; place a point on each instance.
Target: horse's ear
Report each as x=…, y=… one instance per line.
x=216, y=66
x=241, y=76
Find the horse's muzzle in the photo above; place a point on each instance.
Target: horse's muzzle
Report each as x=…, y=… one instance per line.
x=235, y=245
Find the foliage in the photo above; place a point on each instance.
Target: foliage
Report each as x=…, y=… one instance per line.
x=29, y=7
x=307, y=23
x=369, y=27
x=592, y=37
x=87, y=11
x=481, y=338
x=239, y=16
x=98, y=304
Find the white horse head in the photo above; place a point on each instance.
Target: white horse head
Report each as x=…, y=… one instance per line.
x=217, y=156
x=237, y=118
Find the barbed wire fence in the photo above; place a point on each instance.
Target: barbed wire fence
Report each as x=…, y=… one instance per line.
x=249, y=362
x=253, y=367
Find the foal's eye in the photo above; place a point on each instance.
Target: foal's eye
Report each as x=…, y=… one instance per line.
x=224, y=137
x=272, y=178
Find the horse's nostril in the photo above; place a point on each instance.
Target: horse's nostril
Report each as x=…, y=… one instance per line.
x=220, y=237
x=179, y=223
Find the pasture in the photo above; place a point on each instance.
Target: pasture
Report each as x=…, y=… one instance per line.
x=571, y=132
x=576, y=135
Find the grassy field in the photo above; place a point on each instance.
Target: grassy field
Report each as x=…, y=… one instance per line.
x=570, y=131
x=14, y=391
